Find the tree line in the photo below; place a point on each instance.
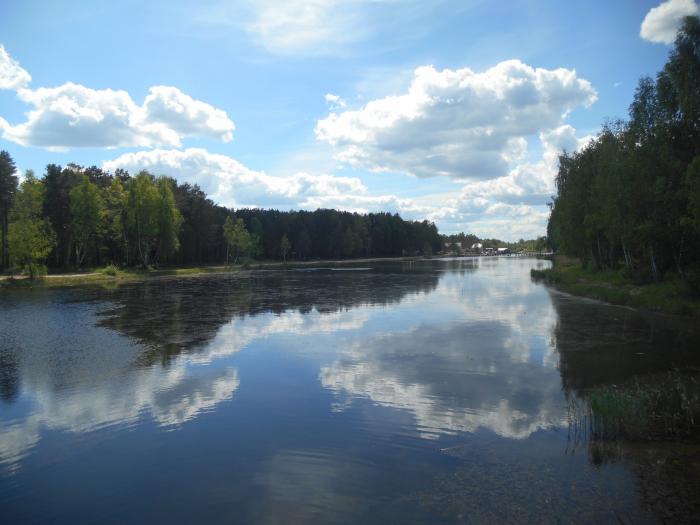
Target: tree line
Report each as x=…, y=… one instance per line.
x=75, y=217
x=631, y=197
x=467, y=240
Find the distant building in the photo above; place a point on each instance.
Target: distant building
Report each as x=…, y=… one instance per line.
x=503, y=251
x=477, y=246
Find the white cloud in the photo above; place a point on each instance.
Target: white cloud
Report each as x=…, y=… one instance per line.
x=186, y=116
x=315, y=27
x=230, y=183
x=457, y=123
x=511, y=206
x=335, y=102
x=530, y=181
x=71, y=116
x=309, y=26
x=508, y=207
x=661, y=23
x=12, y=75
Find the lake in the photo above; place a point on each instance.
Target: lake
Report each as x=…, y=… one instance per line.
x=437, y=391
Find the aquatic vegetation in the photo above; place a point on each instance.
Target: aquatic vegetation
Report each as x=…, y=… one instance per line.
x=665, y=407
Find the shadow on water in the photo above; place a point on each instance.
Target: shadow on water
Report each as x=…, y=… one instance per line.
x=599, y=344
x=622, y=365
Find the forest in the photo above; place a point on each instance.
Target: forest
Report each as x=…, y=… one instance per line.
x=75, y=217
x=630, y=199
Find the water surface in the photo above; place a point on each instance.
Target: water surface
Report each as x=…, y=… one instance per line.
x=436, y=391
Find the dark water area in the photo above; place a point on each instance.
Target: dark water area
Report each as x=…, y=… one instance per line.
x=431, y=392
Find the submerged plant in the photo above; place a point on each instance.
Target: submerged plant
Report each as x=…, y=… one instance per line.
x=657, y=408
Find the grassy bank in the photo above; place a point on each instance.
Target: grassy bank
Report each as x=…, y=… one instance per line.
x=106, y=275
x=670, y=296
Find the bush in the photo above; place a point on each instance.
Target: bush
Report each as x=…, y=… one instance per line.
x=39, y=270
x=110, y=269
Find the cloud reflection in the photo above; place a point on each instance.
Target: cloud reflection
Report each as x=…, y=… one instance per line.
x=121, y=393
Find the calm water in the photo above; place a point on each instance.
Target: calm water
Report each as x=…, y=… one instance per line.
x=427, y=392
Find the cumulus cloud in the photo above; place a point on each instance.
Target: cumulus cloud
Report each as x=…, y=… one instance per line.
x=457, y=123
x=511, y=206
x=73, y=115
x=530, y=182
x=661, y=23
x=508, y=207
x=12, y=75
x=230, y=183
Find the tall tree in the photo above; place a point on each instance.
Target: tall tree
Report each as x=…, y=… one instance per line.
x=237, y=237
x=142, y=215
x=284, y=247
x=58, y=183
x=8, y=189
x=115, y=220
x=30, y=235
x=87, y=213
x=169, y=220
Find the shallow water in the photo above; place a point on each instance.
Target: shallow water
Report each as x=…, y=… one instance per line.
x=428, y=392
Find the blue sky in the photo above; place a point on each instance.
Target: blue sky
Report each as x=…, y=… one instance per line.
x=453, y=111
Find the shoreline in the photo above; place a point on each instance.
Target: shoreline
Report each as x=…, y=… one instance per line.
x=667, y=297
x=99, y=276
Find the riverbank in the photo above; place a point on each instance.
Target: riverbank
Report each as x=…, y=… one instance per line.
x=670, y=296
x=115, y=275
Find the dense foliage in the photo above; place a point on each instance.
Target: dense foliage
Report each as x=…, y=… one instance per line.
x=631, y=197
x=84, y=217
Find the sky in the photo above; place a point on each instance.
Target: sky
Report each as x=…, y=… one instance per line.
x=451, y=111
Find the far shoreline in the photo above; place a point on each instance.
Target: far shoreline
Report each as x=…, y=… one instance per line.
x=100, y=276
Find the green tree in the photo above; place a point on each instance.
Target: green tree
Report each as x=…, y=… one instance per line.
x=58, y=183
x=153, y=219
x=8, y=189
x=284, y=247
x=142, y=215
x=87, y=213
x=351, y=243
x=169, y=220
x=30, y=236
x=237, y=237
x=692, y=184
x=115, y=220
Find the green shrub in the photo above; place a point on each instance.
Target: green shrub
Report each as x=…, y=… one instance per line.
x=111, y=270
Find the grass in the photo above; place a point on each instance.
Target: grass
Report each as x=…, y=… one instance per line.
x=113, y=275
x=110, y=274
x=612, y=286
x=663, y=407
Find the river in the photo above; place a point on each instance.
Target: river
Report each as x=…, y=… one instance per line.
x=437, y=391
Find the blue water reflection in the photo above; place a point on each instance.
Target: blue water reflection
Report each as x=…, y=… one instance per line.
x=334, y=396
